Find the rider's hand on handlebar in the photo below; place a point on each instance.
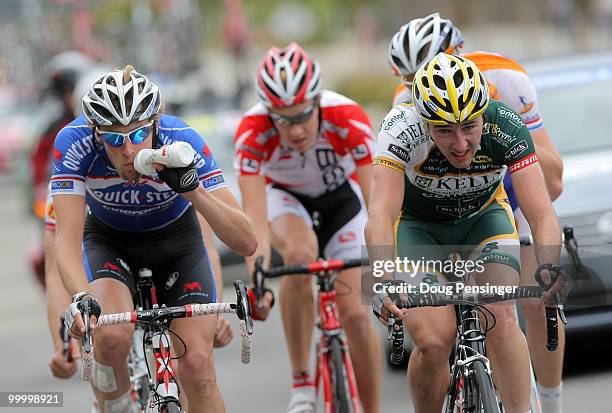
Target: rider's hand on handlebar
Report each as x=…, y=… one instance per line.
x=61, y=368
x=383, y=306
x=223, y=333
x=557, y=292
x=261, y=309
x=73, y=319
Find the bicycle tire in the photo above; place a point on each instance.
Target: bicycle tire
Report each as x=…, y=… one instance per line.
x=170, y=407
x=342, y=396
x=142, y=395
x=486, y=392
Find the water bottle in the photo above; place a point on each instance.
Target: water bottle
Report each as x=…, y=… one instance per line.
x=176, y=155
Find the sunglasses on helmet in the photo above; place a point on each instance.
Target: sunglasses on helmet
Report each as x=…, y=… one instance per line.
x=298, y=119
x=135, y=136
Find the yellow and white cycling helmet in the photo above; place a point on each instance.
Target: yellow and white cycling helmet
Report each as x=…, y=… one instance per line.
x=449, y=89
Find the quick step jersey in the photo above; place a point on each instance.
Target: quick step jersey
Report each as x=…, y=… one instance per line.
x=81, y=167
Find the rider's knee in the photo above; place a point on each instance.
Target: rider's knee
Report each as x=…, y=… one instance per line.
x=196, y=368
x=436, y=349
x=505, y=321
x=533, y=311
x=113, y=344
x=298, y=253
x=355, y=320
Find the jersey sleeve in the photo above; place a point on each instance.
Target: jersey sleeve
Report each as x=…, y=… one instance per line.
x=250, y=145
x=73, y=154
x=359, y=140
x=402, y=95
x=49, y=211
x=521, y=96
x=209, y=172
x=392, y=149
x=515, y=144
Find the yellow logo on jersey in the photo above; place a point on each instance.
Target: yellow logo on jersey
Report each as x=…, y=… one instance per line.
x=482, y=159
x=389, y=163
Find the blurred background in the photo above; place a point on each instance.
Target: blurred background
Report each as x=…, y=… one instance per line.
x=204, y=55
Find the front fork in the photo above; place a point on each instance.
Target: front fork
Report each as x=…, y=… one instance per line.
x=160, y=365
x=329, y=324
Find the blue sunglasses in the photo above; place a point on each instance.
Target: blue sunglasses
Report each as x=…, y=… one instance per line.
x=117, y=139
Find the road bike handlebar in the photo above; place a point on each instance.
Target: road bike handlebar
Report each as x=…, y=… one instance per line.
x=316, y=267
x=414, y=300
x=162, y=314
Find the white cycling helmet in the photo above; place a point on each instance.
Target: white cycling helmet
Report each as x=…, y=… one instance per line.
x=287, y=77
x=420, y=40
x=120, y=98
x=83, y=85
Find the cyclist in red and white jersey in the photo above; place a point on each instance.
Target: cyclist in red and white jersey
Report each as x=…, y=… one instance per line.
x=418, y=41
x=304, y=158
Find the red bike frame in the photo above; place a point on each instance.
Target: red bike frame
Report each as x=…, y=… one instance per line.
x=329, y=324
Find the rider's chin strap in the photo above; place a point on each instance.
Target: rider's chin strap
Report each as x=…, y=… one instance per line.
x=99, y=147
x=156, y=143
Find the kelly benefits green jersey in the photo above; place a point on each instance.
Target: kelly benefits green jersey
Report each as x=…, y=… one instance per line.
x=434, y=189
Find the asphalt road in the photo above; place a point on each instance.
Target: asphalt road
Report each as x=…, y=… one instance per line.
x=261, y=386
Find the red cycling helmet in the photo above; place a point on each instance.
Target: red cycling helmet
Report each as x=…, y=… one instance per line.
x=287, y=77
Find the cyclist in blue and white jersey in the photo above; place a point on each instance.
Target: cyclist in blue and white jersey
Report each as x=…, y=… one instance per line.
x=139, y=221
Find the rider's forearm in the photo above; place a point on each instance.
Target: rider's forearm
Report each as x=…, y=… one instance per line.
x=230, y=224
x=70, y=263
x=57, y=297
x=213, y=256
x=552, y=168
x=547, y=238
x=380, y=239
x=263, y=240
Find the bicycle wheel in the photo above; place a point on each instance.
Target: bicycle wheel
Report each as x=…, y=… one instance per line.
x=485, y=389
x=340, y=385
x=140, y=388
x=170, y=407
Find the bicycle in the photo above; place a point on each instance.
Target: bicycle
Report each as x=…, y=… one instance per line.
x=333, y=364
x=471, y=386
x=154, y=386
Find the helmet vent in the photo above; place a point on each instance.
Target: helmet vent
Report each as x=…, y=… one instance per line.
x=425, y=81
x=439, y=82
x=458, y=78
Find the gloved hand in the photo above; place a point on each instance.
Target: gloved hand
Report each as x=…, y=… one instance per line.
x=180, y=180
x=73, y=319
x=266, y=303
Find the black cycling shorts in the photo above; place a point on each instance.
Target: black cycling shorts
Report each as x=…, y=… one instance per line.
x=175, y=254
x=337, y=217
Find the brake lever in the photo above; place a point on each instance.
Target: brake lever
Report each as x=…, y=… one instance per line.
x=86, y=341
x=554, y=273
x=561, y=312
x=390, y=326
x=65, y=340
x=243, y=309
x=259, y=278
